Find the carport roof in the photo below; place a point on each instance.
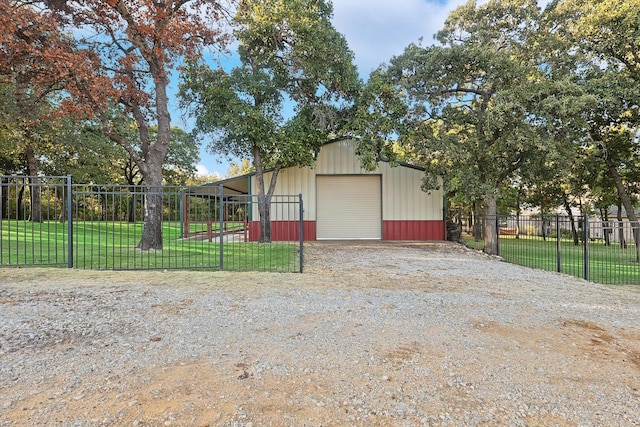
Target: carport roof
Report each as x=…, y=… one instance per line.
x=235, y=186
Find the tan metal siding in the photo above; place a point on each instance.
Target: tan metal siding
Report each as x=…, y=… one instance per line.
x=291, y=181
x=349, y=207
x=402, y=196
x=340, y=158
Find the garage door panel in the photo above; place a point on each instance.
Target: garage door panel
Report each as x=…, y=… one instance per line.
x=349, y=207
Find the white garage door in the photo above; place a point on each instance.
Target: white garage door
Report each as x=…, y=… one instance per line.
x=349, y=207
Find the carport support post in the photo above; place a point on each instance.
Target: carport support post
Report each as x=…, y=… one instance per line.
x=69, y=222
x=301, y=232
x=221, y=202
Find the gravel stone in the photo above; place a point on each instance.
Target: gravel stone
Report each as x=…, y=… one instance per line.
x=372, y=334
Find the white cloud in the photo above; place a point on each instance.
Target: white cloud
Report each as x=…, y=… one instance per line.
x=202, y=170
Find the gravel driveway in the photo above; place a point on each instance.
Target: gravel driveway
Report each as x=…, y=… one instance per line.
x=372, y=334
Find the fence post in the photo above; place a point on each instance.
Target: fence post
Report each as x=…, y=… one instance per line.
x=301, y=208
x=498, y=235
x=222, y=207
x=183, y=198
x=585, y=233
x=69, y=222
x=2, y=178
x=558, y=245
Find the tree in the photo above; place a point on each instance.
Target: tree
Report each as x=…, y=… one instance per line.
x=178, y=166
x=32, y=76
x=12, y=160
x=605, y=34
x=130, y=50
x=243, y=168
x=467, y=119
x=200, y=180
x=291, y=57
x=378, y=115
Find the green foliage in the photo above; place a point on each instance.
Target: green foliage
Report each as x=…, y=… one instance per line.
x=591, y=45
x=296, y=43
x=25, y=122
x=468, y=120
x=608, y=30
x=291, y=56
x=537, y=107
x=378, y=116
x=236, y=169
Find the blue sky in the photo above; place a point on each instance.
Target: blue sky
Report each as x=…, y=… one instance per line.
x=376, y=30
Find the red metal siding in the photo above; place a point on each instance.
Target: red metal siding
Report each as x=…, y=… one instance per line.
x=413, y=230
x=284, y=231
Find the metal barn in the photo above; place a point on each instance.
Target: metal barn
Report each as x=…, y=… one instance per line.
x=344, y=202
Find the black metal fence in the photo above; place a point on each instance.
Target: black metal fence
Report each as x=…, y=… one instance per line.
x=601, y=251
x=49, y=221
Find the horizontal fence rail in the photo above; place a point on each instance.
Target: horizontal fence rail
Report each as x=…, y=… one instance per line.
x=601, y=251
x=49, y=221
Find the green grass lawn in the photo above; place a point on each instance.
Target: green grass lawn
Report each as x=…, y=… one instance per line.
x=111, y=246
x=607, y=264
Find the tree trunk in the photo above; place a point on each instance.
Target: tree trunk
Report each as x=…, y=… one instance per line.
x=264, y=210
x=104, y=206
x=4, y=198
x=61, y=199
x=151, y=168
x=151, y=155
x=264, y=205
x=623, y=240
x=20, y=199
x=606, y=227
x=264, y=199
x=133, y=206
x=572, y=220
x=152, y=228
x=628, y=206
x=491, y=225
x=131, y=173
x=34, y=185
x=477, y=226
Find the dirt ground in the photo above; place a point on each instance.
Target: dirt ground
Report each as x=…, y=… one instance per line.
x=372, y=334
